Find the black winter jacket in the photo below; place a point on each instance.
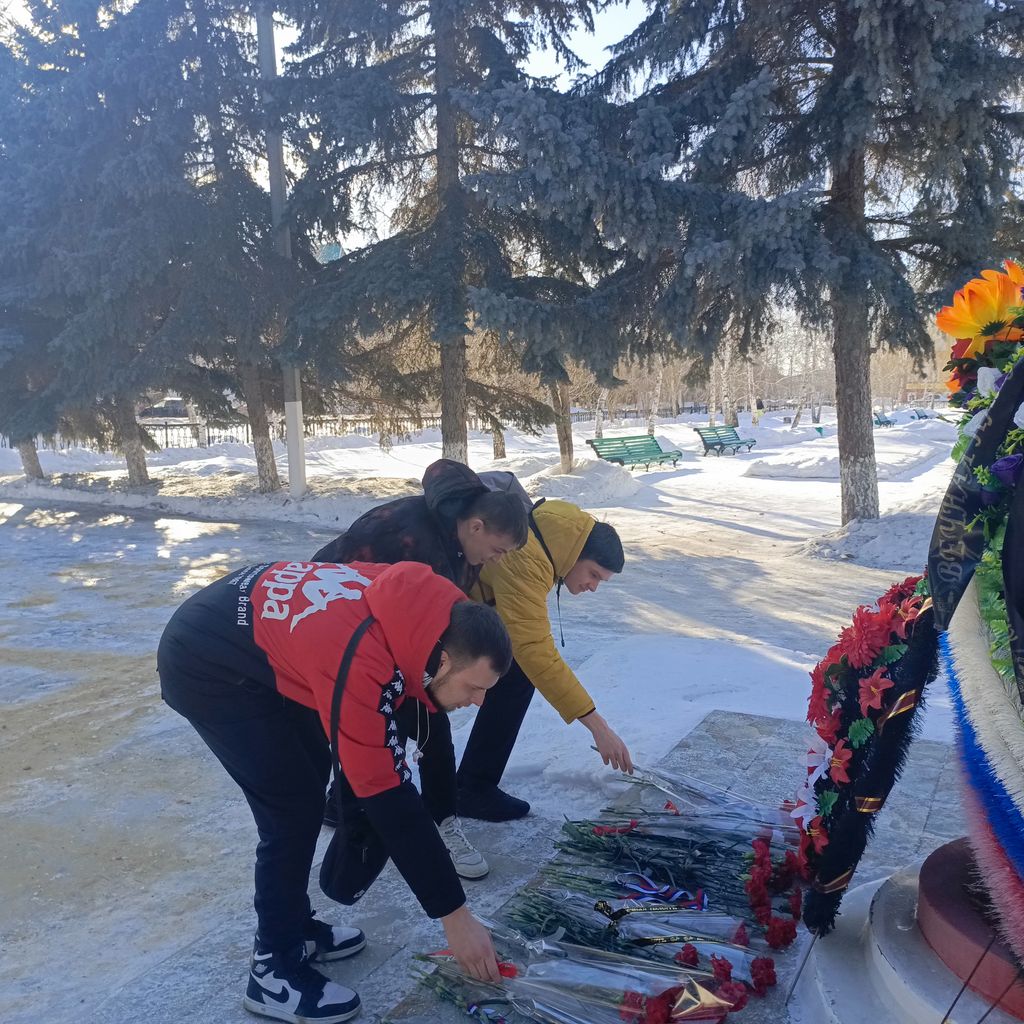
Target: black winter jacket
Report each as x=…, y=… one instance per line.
x=416, y=529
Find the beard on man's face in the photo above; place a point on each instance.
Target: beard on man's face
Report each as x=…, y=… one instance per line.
x=438, y=692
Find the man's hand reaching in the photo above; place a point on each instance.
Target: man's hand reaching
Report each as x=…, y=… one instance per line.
x=471, y=944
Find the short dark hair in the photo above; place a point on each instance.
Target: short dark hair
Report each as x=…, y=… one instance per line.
x=502, y=513
x=604, y=547
x=475, y=631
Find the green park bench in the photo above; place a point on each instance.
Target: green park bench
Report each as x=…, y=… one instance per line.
x=881, y=420
x=723, y=439
x=637, y=450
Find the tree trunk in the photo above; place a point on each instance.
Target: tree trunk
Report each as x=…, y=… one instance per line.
x=266, y=464
x=498, y=438
x=654, y=402
x=799, y=409
x=563, y=424
x=30, y=459
x=200, y=432
x=851, y=342
x=451, y=306
x=729, y=416
x=755, y=413
x=602, y=397
x=128, y=439
x=713, y=393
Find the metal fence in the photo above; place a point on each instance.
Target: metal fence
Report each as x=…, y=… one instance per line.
x=181, y=433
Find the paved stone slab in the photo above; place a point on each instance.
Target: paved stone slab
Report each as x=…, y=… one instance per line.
x=760, y=756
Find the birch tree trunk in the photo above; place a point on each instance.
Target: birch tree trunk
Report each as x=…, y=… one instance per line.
x=266, y=464
x=602, y=397
x=713, y=393
x=729, y=417
x=755, y=413
x=563, y=424
x=30, y=459
x=654, y=402
x=128, y=439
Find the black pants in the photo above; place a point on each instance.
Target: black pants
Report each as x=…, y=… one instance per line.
x=495, y=730
x=276, y=750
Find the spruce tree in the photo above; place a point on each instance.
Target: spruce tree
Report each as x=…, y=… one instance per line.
x=377, y=112
x=850, y=160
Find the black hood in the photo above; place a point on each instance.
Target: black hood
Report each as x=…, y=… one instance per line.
x=448, y=488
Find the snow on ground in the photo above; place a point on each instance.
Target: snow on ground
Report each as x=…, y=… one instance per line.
x=123, y=844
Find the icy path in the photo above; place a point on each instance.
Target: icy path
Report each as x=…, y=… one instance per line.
x=127, y=855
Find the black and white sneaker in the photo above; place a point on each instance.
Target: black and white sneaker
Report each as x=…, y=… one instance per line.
x=286, y=987
x=332, y=941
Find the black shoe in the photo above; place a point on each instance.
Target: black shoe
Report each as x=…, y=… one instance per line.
x=286, y=987
x=488, y=803
x=332, y=941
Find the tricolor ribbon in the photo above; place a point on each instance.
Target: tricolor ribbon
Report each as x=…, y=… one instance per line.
x=649, y=891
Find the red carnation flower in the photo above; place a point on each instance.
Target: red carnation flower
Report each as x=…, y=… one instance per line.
x=669, y=806
x=761, y=849
x=781, y=932
x=762, y=913
x=868, y=634
x=721, y=968
x=838, y=767
x=632, y=1007
x=898, y=591
x=508, y=970
x=741, y=937
x=687, y=956
x=872, y=690
x=796, y=900
x=615, y=830
x=734, y=992
x=828, y=725
x=817, y=702
x=762, y=973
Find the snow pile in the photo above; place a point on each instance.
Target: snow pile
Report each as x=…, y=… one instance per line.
x=592, y=482
x=899, y=451
x=898, y=540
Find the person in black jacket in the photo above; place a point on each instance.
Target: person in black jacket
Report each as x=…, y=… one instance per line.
x=456, y=526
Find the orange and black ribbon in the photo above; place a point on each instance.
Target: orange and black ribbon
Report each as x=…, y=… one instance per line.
x=837, y=884
x=869, y=804
x=907, y=702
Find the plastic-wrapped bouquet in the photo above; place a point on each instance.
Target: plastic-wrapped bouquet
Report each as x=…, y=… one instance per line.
x=561, y=983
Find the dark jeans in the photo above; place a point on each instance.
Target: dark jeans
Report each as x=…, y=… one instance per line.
x=495, y=730
x=276, y=750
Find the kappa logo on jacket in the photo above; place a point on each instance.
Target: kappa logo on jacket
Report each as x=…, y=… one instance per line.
x=321, y=584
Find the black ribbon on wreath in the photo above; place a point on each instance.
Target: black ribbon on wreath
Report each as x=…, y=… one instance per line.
x=874, y=769
x=958, y=540
x=1013, y=581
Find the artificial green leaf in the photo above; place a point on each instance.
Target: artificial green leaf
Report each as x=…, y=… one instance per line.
x=860, y=732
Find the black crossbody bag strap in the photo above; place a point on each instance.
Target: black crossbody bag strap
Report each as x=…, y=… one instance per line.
x=547, y=551
x=540, y=536
x=339, y=688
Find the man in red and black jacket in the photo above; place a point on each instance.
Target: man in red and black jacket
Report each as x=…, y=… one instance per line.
x=252, y=661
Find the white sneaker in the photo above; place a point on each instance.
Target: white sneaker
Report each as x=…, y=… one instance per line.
x=469, y=862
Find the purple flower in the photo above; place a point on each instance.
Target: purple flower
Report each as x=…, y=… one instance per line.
x=1007, y=470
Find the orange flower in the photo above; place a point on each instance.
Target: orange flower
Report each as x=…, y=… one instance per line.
x=981, y=309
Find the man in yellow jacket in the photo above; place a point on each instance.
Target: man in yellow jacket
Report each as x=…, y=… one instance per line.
x=566, y=546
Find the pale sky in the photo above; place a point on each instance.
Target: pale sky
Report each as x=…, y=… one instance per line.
x=610, y=26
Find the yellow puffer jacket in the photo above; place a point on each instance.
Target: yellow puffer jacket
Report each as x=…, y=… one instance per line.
x=518, y=587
